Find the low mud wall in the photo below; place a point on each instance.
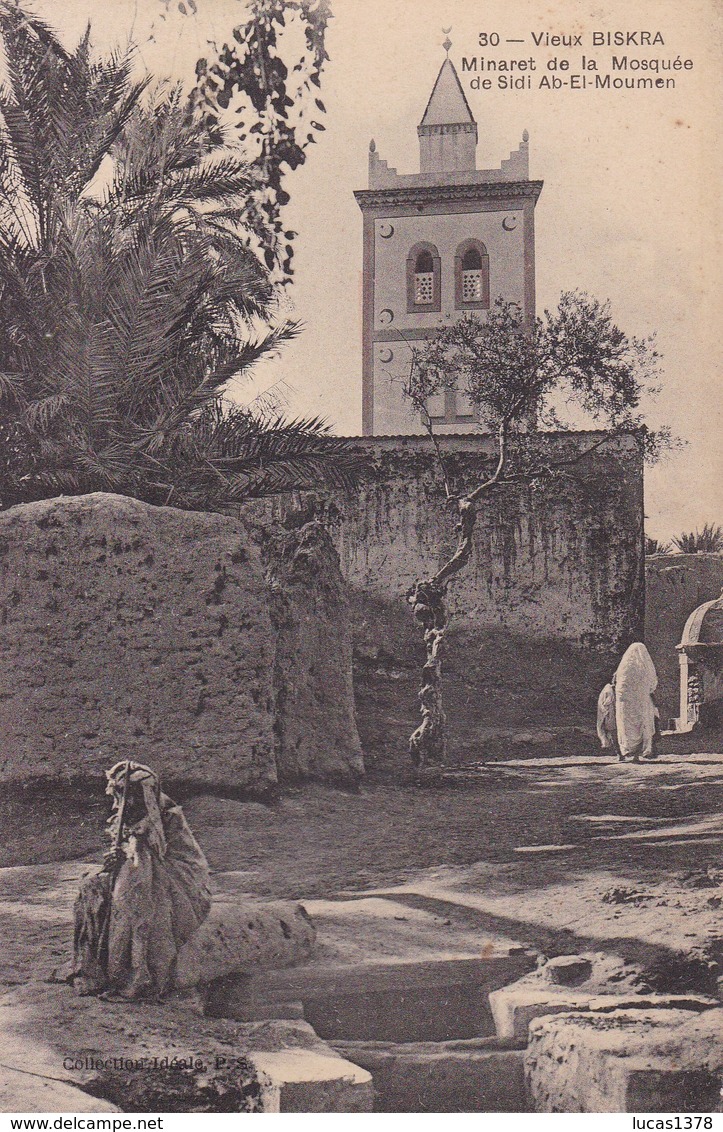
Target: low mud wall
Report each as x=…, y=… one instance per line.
x=135, y=631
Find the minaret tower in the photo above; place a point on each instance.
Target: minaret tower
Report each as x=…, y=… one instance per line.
x=437, y=244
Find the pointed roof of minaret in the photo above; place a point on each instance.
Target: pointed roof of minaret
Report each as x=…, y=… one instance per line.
x=447, y=104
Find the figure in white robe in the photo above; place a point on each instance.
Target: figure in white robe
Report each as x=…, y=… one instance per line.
x=635, y=713
x=606, y=723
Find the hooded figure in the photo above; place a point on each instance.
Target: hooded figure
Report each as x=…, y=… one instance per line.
x=151, y=895
x=635, y=681
x=606, y=722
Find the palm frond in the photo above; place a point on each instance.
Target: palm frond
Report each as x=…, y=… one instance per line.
x=253, y=350
x=40, y=414
x=10, y=387
x=655, y=546
x=277, y=455
x=114, y=123
x=126, y=313
x=707, y=541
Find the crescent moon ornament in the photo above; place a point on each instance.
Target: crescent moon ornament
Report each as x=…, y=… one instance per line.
x=509, y=223
x=386, y=316
x=386, y=230
x=386, y=355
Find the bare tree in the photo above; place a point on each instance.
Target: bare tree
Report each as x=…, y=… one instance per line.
x=575, y=357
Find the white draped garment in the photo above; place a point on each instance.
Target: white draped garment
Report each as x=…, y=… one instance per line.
x=635, y=681
x=606, y=727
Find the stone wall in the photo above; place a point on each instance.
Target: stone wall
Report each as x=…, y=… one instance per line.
x=675, y=585
x=135, y=631
x=561, y=558
x=554, y=592
x=553, y=560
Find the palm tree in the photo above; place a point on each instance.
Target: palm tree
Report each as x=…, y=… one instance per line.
x=655, y=546
x=130, y=295
x=707, y=541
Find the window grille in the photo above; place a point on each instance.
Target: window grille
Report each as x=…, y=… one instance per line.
x=424, y=287
x=471, y=286
x=471, y=276
x=423, y=279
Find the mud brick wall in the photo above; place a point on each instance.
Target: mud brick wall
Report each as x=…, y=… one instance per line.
x=540, y=616
x=315, y=727
x=560, y=559
x=135, y=631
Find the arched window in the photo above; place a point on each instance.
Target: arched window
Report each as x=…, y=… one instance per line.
x=424, y=279
x=471, y=276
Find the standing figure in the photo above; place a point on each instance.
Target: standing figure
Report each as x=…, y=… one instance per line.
x=606, y=722
x=153, y=891
x=635, y=681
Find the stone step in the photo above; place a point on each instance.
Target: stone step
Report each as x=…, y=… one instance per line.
x=456, y=1076
x=312, y=1080
x=393, y=1002
x=626, y=1061
x=82, y=1054
x=514, y=1007
x=24, y=1090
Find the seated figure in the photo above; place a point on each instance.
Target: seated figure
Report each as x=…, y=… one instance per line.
x=152, y=893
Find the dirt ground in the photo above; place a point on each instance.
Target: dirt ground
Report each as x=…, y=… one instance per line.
x=506, y=696
x=560, y=854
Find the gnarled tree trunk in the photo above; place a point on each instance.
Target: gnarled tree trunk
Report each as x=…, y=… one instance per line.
x=428, y=743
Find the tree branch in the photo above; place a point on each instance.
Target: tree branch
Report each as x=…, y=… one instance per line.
x=421, y=407
x=549, y=469
x=427, y=422
x=467, y=517
x=473, y=496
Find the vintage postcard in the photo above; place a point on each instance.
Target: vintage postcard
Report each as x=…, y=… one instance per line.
x=361, y=560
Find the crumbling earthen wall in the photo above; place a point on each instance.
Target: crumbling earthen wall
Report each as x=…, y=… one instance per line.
x=314, y=721
x=541, y=614
x=558, y=558
x=135, y=631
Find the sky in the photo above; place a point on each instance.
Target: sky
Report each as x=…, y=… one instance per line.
x=630, y=209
